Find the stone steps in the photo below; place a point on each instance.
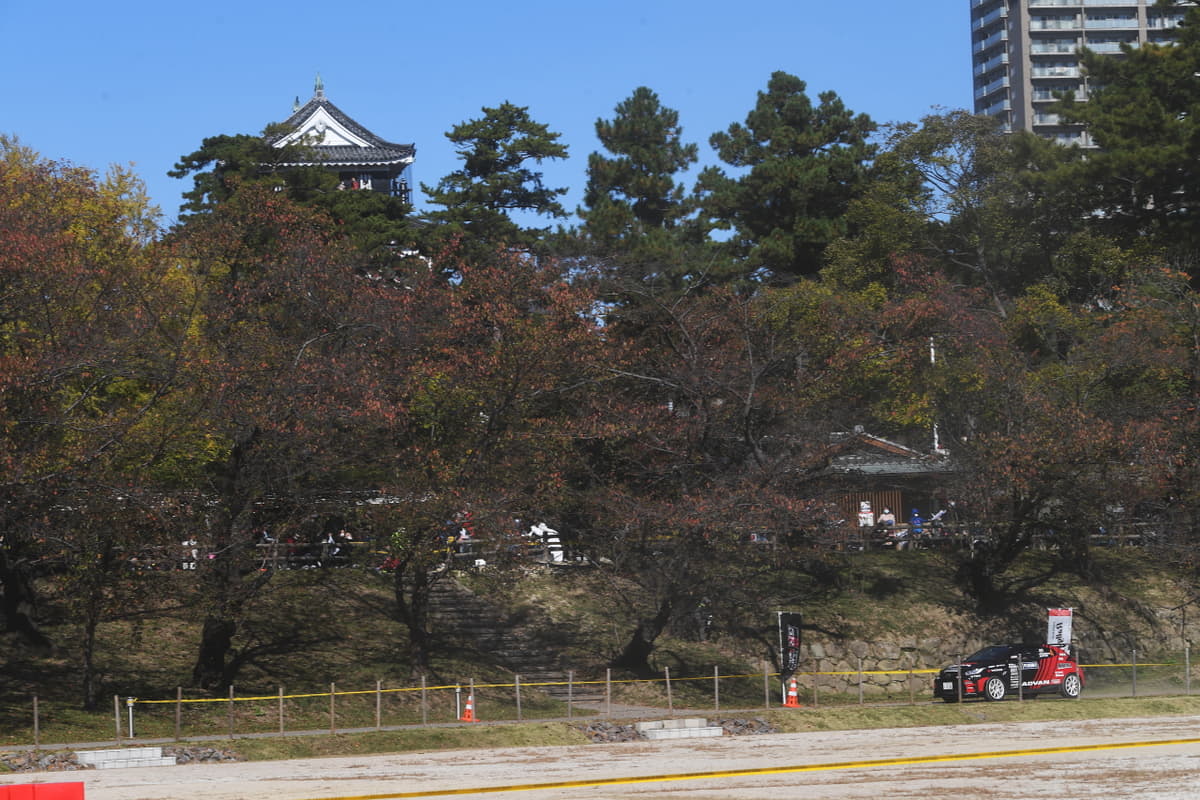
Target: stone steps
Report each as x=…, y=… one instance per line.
x=465, y=618
x=689, y=728
x=125, y=757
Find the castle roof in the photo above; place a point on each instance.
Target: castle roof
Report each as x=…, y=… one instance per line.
x=337, y=139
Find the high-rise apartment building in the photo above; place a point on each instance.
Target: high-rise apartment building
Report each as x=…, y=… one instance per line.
x=1024, y=52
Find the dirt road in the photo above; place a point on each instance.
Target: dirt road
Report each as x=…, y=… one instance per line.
x=1147, y=773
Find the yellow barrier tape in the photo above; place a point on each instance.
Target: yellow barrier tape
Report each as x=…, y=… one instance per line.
x=347, y=693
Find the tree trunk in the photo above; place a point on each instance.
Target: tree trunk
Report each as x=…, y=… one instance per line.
x=16, y=602
x=90, y=689
x=226, y=594
x=412, y=586
x=635, y=657
x=216, y=640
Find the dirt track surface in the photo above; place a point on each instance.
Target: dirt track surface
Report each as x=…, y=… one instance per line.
x=1146, y=773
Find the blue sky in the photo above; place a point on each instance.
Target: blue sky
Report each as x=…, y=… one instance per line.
x=143, y=83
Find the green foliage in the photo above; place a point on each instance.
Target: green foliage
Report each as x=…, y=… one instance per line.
x=499, y=152
x=798, y=168
x=225, y=162
x=1141, y=111
x=634, y=207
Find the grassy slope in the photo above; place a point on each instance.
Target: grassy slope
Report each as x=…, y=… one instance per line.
x=316, y=627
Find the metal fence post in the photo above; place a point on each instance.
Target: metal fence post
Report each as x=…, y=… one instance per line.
x=517, y=685
x=281, y=711
x=860, y=686
x=117, y=715
x=912, y=688
x=37, y=729
x=231, y=711
x=424, y=707
x=1134, y=662
x=178, y=711
x=816, y=676
x=716, y=689
x=608, y=692
x=570, y=693
x=766, y=687
x=670, y=703
x=332, y=717
x=1187, y=668
x=378, y=705
x=960, y=676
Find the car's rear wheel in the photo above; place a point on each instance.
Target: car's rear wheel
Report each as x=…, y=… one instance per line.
x=1072, y=686
x=994, y=689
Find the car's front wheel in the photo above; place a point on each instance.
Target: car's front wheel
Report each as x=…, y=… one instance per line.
x=1072, y=686
x=994, y=689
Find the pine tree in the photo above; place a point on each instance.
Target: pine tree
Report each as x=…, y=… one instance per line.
x=499, y=152
x=633, y=193
x=800, y=166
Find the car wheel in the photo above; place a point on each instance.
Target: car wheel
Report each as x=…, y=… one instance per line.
x=1071, y=686
x=994, y=689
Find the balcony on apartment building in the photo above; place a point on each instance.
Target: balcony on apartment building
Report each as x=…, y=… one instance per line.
x=1057, y=22
x=1067, y=46
x=1055, y=69
x=1108, y=21
x=1050, y=93
x=1111, y=45
x=995, y=15
x=997, y=107
x=991, y=88
x=996, y=38
x=1067, y=138
x=1159, y=22
x=993, y=63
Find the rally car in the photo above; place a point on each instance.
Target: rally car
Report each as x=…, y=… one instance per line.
x=1006, y=669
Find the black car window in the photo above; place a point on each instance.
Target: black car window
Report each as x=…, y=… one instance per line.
x=994, y=653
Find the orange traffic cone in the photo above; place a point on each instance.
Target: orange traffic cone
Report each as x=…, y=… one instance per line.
x=469, y=711
x=793, y=695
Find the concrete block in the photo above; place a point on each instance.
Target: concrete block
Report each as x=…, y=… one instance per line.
x=125, y=757
x=683, y=732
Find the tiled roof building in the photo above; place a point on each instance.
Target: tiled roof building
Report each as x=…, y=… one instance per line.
x=362, y=160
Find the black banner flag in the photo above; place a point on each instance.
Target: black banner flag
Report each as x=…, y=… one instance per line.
x=789, y=643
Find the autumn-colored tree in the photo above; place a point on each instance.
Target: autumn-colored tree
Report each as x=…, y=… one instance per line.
x=86, y=363
x=481, y=389
x=1059, y=418
x=715, y=428
x=272, y=312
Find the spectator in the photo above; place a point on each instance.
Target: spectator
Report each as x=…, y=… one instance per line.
x=866, y=518
x=191, y=553
x=552, y=547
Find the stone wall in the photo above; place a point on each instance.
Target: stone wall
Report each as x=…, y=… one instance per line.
x=885, y=665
